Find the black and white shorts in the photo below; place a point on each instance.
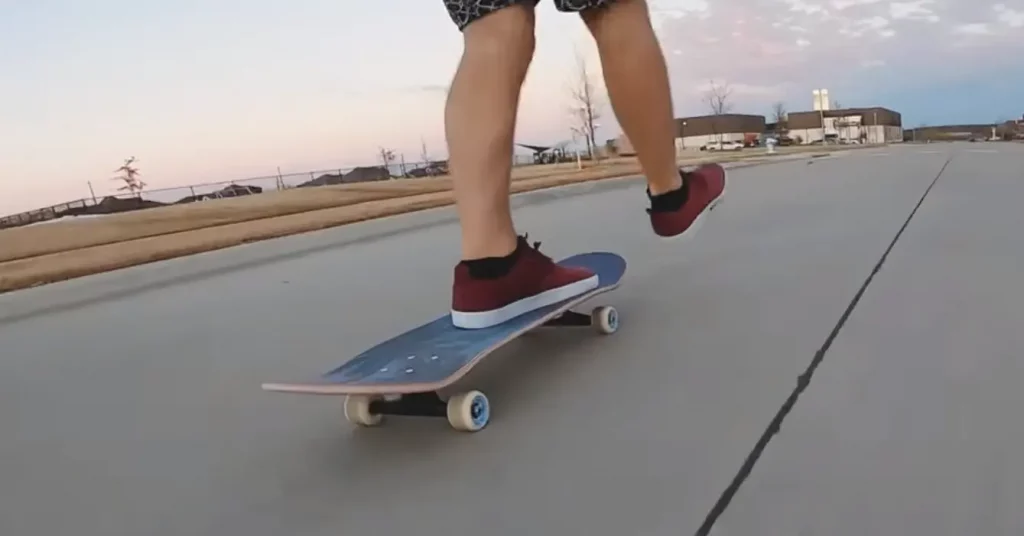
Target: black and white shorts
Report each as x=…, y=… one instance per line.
x=463, y=12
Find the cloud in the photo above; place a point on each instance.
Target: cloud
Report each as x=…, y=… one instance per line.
x=781, y=49
x=1009, y=16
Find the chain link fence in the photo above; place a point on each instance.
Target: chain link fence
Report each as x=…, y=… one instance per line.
x=124, y=202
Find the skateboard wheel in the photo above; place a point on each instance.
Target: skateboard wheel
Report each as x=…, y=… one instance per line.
x=605, y=319
x=469, y=412
x=357, y=411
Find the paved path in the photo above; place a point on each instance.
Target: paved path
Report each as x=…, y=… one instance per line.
x=130, y=402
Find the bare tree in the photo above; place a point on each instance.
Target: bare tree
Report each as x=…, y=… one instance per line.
x=585, y=107
x=717, y=98
x=779, y=117
x=424, y=155
x=129, y=175
x=387, y=157
x=842, y=127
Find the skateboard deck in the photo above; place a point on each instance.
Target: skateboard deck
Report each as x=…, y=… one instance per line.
x=435, y=355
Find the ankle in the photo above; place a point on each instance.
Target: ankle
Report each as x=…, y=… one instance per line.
x=665, y=182
x=492, y=267
x=498, y=246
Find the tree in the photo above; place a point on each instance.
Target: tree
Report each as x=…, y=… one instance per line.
x=424, y=155
x=585, y=109
x=130, y=177
x=842, y=126
x=717, y=98
x=779, y=117
x=387, y=157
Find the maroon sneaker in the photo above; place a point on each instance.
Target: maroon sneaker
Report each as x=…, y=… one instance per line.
x=703, y=189
x=533, y=282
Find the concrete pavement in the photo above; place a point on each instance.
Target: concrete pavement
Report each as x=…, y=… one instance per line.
x=130, y=401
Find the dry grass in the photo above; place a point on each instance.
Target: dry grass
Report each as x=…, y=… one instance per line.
x=25, y=242
x=112, y=255
x=53, y=252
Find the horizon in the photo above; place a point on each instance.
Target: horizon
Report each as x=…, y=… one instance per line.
x=274, y=86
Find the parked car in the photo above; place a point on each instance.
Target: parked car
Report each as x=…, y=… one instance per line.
x=723, y=146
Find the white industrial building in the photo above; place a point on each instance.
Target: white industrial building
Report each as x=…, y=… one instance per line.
x=849, y=125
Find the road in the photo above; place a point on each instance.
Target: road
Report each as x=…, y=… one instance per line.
x=130, y=402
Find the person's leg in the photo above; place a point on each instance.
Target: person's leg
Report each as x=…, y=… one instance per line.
x=636, y=76
x=499, y=276
x=480, y=118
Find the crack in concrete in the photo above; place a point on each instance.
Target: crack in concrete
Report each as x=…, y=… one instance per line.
x=804, y=380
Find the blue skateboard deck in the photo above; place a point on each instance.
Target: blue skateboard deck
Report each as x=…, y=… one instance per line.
x=437, y=354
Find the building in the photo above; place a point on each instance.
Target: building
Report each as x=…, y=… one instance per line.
x=1005, y=130
x=858, y=125
x=695, y=132
x=821, y=100
x=1011, y=130
x=949, y=133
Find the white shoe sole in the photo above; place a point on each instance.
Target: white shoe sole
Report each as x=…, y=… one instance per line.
x=486, y=319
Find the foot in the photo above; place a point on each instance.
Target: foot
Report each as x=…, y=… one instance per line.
x=487, y=292
x=680, y=211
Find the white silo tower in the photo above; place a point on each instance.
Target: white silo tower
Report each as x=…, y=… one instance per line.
x=821, y=100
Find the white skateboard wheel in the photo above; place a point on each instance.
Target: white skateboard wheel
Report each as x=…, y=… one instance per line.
x=469, y=412
x=605, y=319
x=357, y=411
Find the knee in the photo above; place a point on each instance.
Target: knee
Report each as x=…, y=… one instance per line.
x=618, y=22
x=503, y=39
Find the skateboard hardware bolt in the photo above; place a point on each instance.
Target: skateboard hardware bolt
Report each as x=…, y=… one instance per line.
x=410, y=358
x=408, y=371
x=433, y=358
x=385, y=369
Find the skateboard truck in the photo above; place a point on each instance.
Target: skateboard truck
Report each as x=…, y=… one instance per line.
x=411, y=405
x=571, y=319
x=468, y=411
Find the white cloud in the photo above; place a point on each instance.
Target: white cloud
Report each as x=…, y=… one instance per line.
x=790, y=46
x=858, y=28
x=1010, y=17
x=974, y=28
x=914, y=10
x=802, y=6
x=677, y=9
x=844, y=4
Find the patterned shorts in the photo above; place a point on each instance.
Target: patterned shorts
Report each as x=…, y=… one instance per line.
x=464, y=12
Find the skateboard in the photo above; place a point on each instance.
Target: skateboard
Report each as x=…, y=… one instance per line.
x=402, y=376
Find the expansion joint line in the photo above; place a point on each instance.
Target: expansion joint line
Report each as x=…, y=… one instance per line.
x=805, y=378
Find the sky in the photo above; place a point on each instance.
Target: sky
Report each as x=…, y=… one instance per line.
x=216, y=90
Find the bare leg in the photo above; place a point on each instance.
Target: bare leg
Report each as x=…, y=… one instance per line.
x=480, y=122
x=637, y=80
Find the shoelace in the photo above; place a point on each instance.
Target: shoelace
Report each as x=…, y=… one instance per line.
x=526, y=238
